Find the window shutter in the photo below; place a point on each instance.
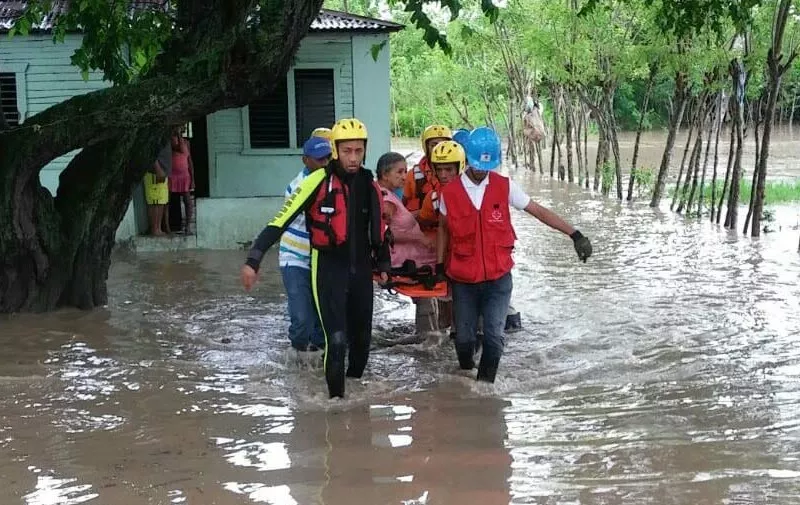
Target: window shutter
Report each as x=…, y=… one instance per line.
x=8, y=98
x=315, y=102
x=269, y=119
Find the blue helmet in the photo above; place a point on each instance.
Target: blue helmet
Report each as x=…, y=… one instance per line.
x=461, y=136
x=484, y=150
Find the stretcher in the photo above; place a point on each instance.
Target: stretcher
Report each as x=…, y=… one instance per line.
x=414, y=282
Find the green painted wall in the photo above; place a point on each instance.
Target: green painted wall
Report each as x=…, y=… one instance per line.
x=48, y=78
x=362, y=89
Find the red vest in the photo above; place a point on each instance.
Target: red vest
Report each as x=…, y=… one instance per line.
x=327, y=218
x=423, y=181
x=481, y=241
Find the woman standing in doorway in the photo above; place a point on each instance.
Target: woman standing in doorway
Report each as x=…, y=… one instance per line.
x=181, y=181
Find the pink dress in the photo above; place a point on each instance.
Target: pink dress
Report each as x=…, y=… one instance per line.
x=180, y=181
x=407, y=236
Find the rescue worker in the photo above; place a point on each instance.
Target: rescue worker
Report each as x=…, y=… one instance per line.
x=447, y=160
x=476, y=239
x=343, y=207
x=421, y=180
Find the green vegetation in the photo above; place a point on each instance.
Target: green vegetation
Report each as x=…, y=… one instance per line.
x=776, y=192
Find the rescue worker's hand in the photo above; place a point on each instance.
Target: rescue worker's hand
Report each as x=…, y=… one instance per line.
x=582, y=245
x=248, y=276
x=384, y=278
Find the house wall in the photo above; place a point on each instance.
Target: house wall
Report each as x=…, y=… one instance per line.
x=246, y=185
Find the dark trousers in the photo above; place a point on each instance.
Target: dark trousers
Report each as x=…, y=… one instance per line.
x=343, y=296
x=490, y=300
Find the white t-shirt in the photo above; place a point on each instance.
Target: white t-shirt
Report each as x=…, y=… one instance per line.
x=516, y=196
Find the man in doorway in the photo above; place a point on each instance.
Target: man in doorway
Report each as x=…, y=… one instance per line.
x=156, y=191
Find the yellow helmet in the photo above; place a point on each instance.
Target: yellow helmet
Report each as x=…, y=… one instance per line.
x=347, y=129
x=322, y=132
x=435, y=131
x=449, y=151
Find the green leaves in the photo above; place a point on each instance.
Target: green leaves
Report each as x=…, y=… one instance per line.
x=376, y=49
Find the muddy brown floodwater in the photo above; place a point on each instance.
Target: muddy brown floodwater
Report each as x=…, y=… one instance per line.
x=666, y=370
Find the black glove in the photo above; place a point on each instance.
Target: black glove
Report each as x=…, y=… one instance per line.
x=582, y=245
x=440, y=274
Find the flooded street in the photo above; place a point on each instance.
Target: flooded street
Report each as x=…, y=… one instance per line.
x=666, y=370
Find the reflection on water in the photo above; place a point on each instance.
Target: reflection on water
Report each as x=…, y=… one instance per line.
x=664, y=370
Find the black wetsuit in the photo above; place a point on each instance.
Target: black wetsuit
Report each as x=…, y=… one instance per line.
x=341, y=277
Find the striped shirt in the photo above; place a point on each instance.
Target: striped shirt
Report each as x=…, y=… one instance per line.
x=295, y=247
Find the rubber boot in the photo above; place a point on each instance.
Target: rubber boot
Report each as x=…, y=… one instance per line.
x=334, y=364
x=357, y=362
x=487, y=369
x=466, y=355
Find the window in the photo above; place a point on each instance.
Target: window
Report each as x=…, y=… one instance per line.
x=284, y=119
x=269, y=119
x=315, y=103
x=8, y=98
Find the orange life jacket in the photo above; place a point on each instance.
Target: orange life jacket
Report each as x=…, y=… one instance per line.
x=420, y=181
x=481, y=241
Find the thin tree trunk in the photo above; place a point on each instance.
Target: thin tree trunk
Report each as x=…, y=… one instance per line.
x=791, y=113
x=512, y=138
x=578, y=134
x=611, y=123
x=729, y=166
x=716, y=155
x=602, y=155
x=683, y=165
x=737, y=101
x=585, y=119
x=680, y=97
x=691, y=171
x=538, y=147
x=556, y=105
x=701, y=196
x=651, y=79
x=568, y=125
x=756, y=123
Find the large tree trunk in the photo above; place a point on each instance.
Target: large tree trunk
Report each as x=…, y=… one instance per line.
x=56, y=250
x=651, y=79
x=679, y=99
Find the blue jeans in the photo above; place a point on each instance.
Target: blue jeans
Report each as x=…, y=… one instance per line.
x=304, y=329
x=489, y=299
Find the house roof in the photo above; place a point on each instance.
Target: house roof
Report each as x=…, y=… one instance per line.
x=328, y=21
